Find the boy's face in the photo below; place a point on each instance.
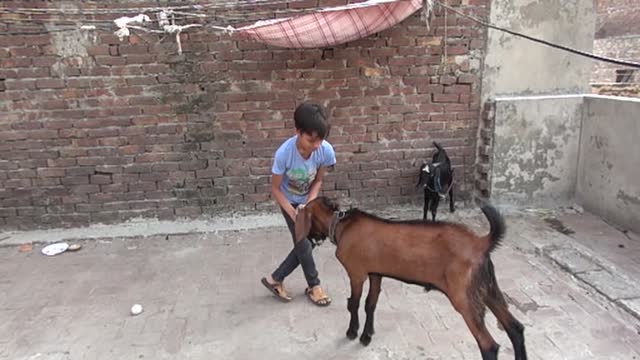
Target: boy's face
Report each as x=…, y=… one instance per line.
x=308, y=142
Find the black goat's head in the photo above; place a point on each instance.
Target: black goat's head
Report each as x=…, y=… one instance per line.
x=436, y=176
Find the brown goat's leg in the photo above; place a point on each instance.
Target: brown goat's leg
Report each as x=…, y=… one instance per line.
x=354, y=303
x=498, y=306
x=474, y=317
x=514, y=329
x=370, y=307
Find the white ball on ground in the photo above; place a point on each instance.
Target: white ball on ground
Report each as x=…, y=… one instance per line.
x=136, y=309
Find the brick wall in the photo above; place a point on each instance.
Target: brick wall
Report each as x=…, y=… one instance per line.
x=94, y=129
x=485, y=150
x=627, y=90
x=623, y=47
x=618, y=36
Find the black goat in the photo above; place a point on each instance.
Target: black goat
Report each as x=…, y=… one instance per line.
x=436, y=178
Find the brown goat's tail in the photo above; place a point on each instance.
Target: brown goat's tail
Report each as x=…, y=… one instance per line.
x=498, y=227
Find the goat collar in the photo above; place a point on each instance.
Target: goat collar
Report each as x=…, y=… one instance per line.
x=337, y=216
x=445, y=193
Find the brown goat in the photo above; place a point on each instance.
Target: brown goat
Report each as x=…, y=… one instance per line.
x=437, y=255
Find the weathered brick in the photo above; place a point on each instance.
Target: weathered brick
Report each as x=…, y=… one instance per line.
x=138, y=168
x=30, y=51
x=142, y=186
x=49, y=83
x=51, y=172
x=132, y=49
x=8, y=212
x=20, y=84
x=75, y=180
x=100, y=179
x=37, y=72
x=445, y=98
x=105, y=216
x=457, y=89
x=467, y=79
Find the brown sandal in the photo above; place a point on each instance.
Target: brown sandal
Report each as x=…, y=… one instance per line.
x=318, y=296
x=277, y=289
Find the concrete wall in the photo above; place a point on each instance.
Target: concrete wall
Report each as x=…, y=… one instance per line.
x=536, y=140
x=609, y=169
x=517, y=67
x=552, y=144
x=559, y=150
x=535, y=152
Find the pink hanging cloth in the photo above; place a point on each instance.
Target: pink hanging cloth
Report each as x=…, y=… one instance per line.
x=331, y=26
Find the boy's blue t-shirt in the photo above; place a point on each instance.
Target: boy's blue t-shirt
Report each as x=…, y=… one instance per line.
x=298, y=173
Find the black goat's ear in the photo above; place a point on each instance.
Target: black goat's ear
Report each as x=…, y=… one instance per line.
x=303, y=224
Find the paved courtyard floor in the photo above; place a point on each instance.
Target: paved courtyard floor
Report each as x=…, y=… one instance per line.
x=570, y=279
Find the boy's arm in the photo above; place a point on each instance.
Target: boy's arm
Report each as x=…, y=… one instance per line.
x=329, y=161
x=317, y=184
x=279, y=196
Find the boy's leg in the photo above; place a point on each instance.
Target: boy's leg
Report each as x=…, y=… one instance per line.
x=305, y=257
x=300, y=255
x=287, y=266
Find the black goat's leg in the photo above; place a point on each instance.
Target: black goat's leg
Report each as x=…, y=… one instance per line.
x=370, y=307
x=425, y=210
x=354, y=303
x=451, y=208
x=434, y=205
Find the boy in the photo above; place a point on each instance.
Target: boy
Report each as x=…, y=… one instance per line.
x=299, y=167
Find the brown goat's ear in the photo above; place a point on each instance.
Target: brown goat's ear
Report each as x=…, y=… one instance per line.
x=303, y=224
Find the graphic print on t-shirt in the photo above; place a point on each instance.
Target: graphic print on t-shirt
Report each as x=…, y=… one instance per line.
x=300, y=179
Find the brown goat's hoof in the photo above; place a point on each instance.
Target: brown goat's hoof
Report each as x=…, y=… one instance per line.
x=352, y=334
x=365, y=339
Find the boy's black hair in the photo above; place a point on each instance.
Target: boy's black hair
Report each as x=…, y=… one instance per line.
x=311, y=118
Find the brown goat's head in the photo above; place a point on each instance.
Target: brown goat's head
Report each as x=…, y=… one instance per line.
x=314, y=219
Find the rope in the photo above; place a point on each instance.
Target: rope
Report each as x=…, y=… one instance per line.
x=251, y=7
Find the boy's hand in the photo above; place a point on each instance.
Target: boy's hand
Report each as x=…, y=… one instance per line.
x=296, y=210
x=293, y=212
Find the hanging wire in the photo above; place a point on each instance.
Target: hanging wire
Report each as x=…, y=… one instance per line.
x=548, y=43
